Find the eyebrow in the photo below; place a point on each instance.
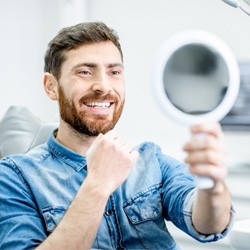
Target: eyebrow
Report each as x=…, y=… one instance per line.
x=94, y=65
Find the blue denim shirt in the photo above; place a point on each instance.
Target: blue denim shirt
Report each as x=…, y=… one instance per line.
x=37, y=188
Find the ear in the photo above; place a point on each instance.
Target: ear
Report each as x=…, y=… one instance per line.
x=51, y=86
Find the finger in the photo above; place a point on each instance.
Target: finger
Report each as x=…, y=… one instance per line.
x=205, y=142
x=111, y=135
x=127, y=147
x=120, y=141
x=97, y=139
x=216, y=173
x=134, y=155
x=206, y=157
x=213, y=129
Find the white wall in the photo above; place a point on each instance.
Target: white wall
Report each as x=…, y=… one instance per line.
x=27, y=26
x=143, y=25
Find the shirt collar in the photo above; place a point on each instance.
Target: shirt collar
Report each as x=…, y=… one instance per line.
x=67, y=155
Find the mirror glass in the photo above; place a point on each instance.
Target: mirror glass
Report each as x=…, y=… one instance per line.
x=195, y=86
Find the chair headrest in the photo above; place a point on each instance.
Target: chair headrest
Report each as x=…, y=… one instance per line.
x=20, y=131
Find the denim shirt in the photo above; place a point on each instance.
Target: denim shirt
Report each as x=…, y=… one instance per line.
x=37, y=188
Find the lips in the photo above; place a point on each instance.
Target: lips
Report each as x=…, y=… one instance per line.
x=99, y=107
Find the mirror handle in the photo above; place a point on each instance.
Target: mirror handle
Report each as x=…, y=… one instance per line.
x=203, y=182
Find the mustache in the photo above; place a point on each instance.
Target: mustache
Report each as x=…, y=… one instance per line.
x=98, y=97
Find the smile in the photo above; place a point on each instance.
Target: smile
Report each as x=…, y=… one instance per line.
x=98, y=104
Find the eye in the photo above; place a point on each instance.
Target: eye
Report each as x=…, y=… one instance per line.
x=84, y=72
x=115, y=72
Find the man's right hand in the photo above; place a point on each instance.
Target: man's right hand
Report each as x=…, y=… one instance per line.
x=109, y=162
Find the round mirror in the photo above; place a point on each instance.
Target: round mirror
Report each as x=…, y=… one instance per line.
x=195, y=77
x=195, y=80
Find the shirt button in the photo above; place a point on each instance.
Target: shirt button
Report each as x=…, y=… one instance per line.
x=108, y=212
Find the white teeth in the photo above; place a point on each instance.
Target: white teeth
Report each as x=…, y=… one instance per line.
x=98, y=104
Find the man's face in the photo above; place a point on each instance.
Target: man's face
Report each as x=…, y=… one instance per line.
x=91, y=88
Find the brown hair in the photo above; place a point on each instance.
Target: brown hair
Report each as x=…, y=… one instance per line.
x=74, y=36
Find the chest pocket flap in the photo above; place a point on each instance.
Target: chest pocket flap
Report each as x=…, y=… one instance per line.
x=144, y=206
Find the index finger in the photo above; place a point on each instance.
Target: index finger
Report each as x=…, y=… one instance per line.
x=213, y=129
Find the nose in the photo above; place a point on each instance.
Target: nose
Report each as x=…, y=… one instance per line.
x=102, y=84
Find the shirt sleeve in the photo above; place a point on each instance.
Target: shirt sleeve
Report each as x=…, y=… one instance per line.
x=20, y=222
x=179, y=193
x=187, y=211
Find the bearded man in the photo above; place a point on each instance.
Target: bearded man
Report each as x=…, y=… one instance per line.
x=86, y=187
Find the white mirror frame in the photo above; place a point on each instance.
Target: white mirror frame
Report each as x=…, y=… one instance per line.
x=204, y=38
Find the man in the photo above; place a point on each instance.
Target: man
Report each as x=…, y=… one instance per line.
x=86, y=187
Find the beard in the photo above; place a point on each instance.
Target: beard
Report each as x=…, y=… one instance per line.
x=81, y=121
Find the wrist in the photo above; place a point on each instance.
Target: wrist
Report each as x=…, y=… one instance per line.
x=95, y=189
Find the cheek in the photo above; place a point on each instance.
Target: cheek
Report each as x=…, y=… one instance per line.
x=67, y=96
x=74, y=94
x=120, y=90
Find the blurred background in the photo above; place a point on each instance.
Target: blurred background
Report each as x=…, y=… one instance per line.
x=26, y=26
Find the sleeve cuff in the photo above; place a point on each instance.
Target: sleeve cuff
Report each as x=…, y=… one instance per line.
x=187, y=211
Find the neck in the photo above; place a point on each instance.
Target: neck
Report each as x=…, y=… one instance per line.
x=73, y=140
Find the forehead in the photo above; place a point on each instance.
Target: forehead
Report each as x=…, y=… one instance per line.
x=102, y=52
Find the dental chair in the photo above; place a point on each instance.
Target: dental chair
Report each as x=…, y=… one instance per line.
x=20, y=131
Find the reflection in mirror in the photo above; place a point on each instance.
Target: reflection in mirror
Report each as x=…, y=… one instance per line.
x=195, y=79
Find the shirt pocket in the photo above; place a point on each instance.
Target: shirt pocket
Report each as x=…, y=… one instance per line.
x=52, y=216
x=144, y=211
x=144, y=206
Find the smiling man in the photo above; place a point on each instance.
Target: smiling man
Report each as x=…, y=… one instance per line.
x=87, y=187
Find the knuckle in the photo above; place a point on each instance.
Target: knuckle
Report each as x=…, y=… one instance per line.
x=209, y=156
x=210, y=142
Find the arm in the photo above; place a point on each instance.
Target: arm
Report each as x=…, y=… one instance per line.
x=85, y=212
x=212, y=207
x=78, y=228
